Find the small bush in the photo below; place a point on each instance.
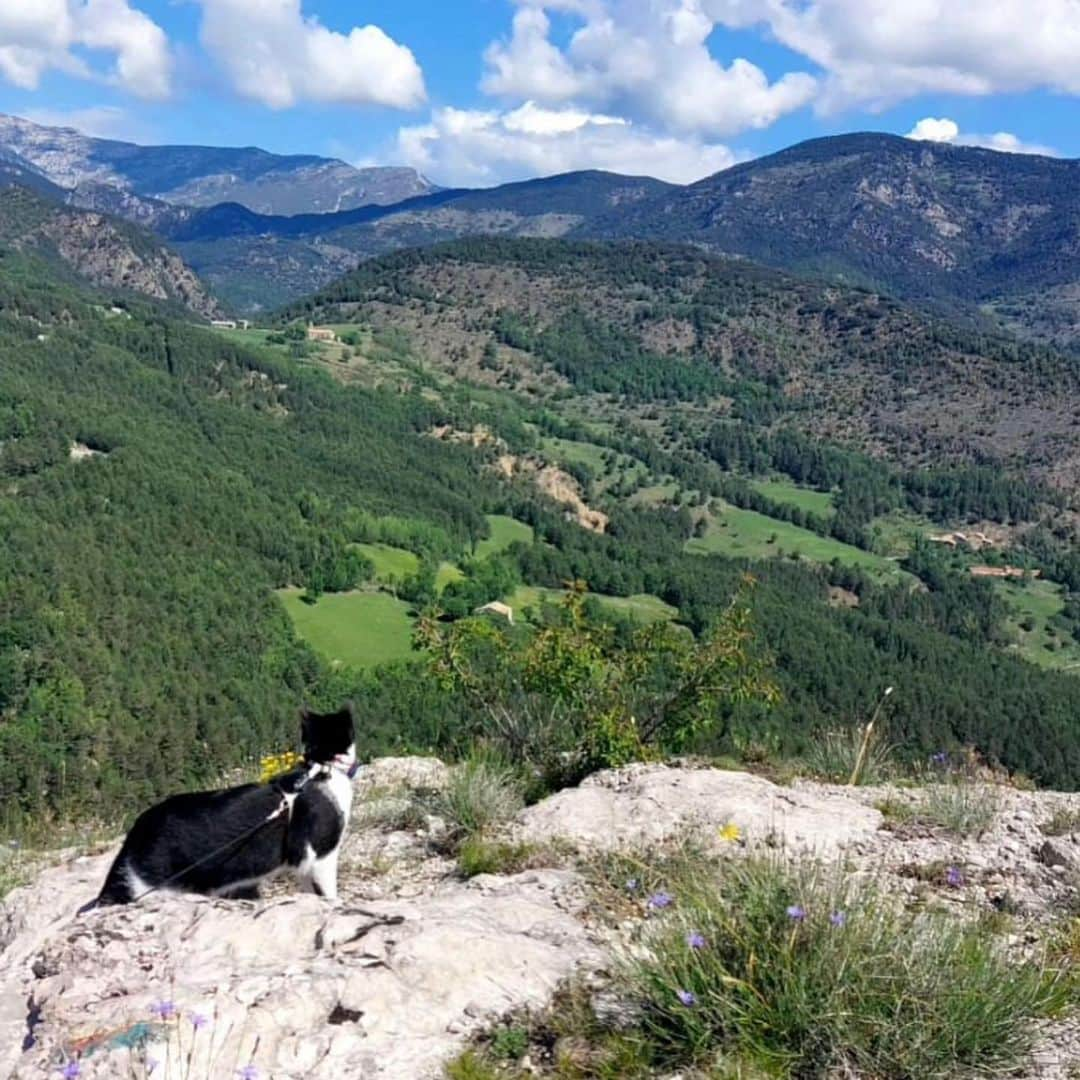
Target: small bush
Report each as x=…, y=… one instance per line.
x=807, y=972
x=481, y=794
x=895, y=811
x=472, y=1066
x=477, y=855
x=960, y=805
x=1062, y=822
x=833, y=755
x=509, y=1043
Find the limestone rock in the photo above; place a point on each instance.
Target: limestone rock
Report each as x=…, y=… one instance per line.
x=296, y=986
x=645, y=804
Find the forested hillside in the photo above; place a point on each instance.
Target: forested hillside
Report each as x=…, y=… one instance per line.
x=160, y=482
x=156, y=484
x=665, y=325
x=257, y=261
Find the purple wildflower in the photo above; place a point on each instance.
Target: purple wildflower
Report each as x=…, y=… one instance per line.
x=953, y=878
x=71, y=1070
x=838, y=919
x=940, y=758
x=796, y=913
x=198, y=1020
x=164, y=1010
x=632, y=884
x=660, y=900
x=248, y=1072
x=695, y=940
x=686, y=997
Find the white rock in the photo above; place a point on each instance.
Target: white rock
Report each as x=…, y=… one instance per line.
x=643, y=804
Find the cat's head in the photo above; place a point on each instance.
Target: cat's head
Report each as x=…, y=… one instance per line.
x=328, y=738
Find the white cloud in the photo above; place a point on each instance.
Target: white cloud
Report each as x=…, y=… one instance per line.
x=878, y=52
x=644, y=60
x=276, y=55
x=944, y=130
x=39, y=36
x=482, y=147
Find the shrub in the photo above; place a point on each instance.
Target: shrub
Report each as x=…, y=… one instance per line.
x=833, y=756
x=1063, y=821
x=481, y=793
x=960, y=805
x=477, y=855
x=809, y=972
x=575, y=696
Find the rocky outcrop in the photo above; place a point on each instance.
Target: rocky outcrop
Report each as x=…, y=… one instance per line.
x=93, y=246
x=645, y=805
x=391, y=981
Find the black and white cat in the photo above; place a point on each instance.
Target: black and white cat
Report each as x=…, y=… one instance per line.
x=224, y=843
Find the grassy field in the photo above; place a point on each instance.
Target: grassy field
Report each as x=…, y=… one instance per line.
x=643, y=607
x=1035, y=603
x=360, y=629
x=504, y=532
x=893, y=533
x=447, y=573
x=784, y=491
x=750, y=535
x=571, y=451
x=390, y=562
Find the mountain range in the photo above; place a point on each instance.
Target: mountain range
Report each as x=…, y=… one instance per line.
x=202, y=175
x=978, y=234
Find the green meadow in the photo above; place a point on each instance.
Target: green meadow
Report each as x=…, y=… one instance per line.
x=390, y=562
x=644, y=607
x=1033, y=606
x=750, y=535
x=784, y=491
x=359, y=629
x=504, y=532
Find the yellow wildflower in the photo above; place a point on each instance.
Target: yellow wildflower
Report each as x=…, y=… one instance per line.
x=277, y=764
x=730, y=832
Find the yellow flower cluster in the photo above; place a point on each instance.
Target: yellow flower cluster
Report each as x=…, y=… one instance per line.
x=277, y=764
x=730, y=833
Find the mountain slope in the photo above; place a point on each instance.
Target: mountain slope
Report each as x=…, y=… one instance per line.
x=257, y=260
x=205, y=175
x=666, y=324
x=943, y=224
x=105, y=251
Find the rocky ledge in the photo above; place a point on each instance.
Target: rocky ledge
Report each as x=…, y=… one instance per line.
x=391, y=981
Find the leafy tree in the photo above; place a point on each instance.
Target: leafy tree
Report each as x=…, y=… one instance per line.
x=573, y=696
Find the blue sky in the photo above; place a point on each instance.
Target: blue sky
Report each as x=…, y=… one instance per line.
x=481, y=91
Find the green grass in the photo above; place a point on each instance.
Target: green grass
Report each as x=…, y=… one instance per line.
x=570, y=451
x=654, y=495
x=447, y=574
x=894, y=533
x=784, y=491
x=750, y=535
x=807, y=971
x=1032, y=608
x=360, y=629
x=644, y=607
x=504, y=532
x=390, y=562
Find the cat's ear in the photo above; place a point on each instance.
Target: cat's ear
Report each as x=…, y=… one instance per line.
x=348, y=710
